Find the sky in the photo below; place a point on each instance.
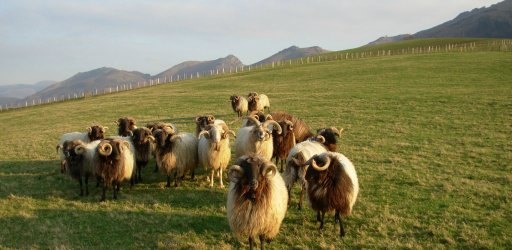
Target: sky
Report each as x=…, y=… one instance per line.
x=54, y=39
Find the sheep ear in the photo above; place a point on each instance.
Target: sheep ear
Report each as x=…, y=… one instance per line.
x=235, y=172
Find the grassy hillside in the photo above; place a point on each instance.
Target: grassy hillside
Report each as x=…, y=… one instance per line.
x=430, y=136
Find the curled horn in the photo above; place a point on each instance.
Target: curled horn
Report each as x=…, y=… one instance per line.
x=268, y=117
x=321, y=168
x=205, y=133
x=80, y=149
x=104, y=148
x=320, y=139
x=235, y=172
x=58, y=147
x=289, y=123
x=126, y=144
x=211, y=118
x=231, y=132
x=175, y=138
x=269, y=167
x=254, y=120
x=103, y=129
x=150, y=138
x=336, y=131
x=198, y=118
x=169, y=130
x=276, y=125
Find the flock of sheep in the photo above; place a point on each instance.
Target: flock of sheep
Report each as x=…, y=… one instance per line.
x=258, y=196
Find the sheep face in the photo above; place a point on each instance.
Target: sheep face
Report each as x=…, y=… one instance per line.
x=330, y=135
x=234, y=101
x=125, y=126
x=162, y=138
x=111, y=150
x=141, y=136
x=96, y=132
x=250, y=175
x=203, y=121
x=72, y=157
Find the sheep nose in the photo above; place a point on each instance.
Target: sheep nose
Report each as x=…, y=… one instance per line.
x=253, y=184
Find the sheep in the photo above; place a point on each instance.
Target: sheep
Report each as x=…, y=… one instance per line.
x=175, y=153
x=300, y=129
x=283, y=142
x=295, y=169
x=125, y=126
x=257, y=199
x=332, y=185
x=79, y=161
x=95, y=132
x=160, y=125
x=115, y=162
x=143, y=142
x=213, y=149
x=258, y=102
x=329, y=134
x=239, y=105
x=256, y=139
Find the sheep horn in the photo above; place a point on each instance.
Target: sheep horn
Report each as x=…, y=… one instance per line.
x=235, y=172
x=321, y=168
x=205, y=133
x=211, y=118
x=174, y=138
x=290, y=123
x=89, y=130
x=151, y=138
x=104, y=148
x=169, y=130
x=130, y=132
x=320, y=139
x=126, y=144
x=269, y=167
x=336, y=131
x=231, y=132
x=103, y=129
x=268, y=117
x=80, y=149
x=58, y=147
x=276, y=125
x=254, y=120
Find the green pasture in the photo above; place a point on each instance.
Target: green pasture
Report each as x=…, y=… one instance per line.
x=430, y=136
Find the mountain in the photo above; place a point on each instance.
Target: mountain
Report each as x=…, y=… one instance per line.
x=19, y=91
x=389, y=39
x=291, y=53
x=494, y=21
x=193, y=67
x=88, y=82
x=8, y=100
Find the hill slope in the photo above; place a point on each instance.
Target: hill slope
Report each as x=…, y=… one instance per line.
x=492, y=22
x=193, y=67
x=90, y=81
x=292, y=53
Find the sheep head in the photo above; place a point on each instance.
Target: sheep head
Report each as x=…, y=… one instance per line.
x=250, y=174
x=96, y=132
x=142, y=136
x=125, y=126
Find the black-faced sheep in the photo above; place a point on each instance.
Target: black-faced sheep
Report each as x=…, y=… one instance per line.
x=115, y=163
x=214, y=151
x=202, y=121
x=256, y=138
x=330, y=134
x=257, y=199
x=169, y=127
x=296, y=165
x=175, y=153
x=258, y=102
x=332, y=186
x=95, y=132
x=239, y=105
x=79, y=161
x=260, y=116
x=283, y=142
x=125, y=126
x=143, y=142
x=300, y=129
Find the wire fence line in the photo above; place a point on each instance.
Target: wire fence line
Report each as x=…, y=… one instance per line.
x=504, y=45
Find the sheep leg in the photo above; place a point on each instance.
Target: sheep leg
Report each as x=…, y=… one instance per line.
x=156, y=168
x=251, y=242
x=220, y=179
x=302, y=189
x=176, y=178
x=81, y=187
x=262, y=242
x=116, y=184
x=86, y=185
x=338, y=218
x=168, y=181
x=103, y=192
x=322, y=215
x=212, y=173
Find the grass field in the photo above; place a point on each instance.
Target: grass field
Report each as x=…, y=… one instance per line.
x=430, y=136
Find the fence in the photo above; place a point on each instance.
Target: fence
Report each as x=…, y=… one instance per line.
x=494, y=45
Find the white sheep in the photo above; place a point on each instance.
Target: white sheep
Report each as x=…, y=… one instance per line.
x=239, y=104
x=257, y=199
x=79, y=160
x=256, y=138
x=213, y=149
x=175, y=153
